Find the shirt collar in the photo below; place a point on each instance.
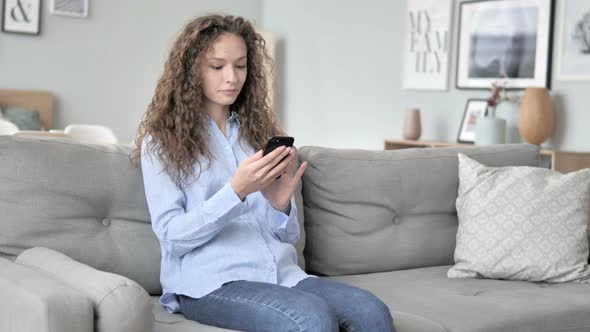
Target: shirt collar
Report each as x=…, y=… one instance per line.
x=234, y=117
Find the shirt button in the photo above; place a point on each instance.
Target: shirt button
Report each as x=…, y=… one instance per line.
x=227, y=147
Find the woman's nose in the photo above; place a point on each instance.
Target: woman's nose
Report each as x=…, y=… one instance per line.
x=230, y=75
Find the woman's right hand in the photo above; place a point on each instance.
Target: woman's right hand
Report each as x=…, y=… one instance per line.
x=259, y=171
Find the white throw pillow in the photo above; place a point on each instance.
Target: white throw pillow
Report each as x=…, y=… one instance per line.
x=521, y=223
x=120, y=304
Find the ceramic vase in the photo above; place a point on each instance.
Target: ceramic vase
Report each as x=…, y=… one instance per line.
x=490, y=130
x=412, y=126
x=536, y=116
x=509, y=110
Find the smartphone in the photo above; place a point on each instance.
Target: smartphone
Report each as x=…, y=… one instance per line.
x=277, y=141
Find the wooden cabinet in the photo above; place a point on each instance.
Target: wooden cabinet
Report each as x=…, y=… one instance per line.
x=557, y=160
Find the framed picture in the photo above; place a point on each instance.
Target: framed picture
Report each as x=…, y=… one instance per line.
x=427, y=43
x=507, y=41
x=21, y=16
x=78, y=8
x=573, y=61
x=474, y=109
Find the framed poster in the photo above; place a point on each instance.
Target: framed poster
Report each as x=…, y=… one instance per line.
x=507, y=41
x=78, y=8
x=427, y=44
x=21, y=16
x=573, y=61
x=474, y=109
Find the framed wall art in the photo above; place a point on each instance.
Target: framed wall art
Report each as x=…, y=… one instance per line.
x=573, y=62
x=427, y=44
x=77, y=8
x=21, y=16
x=508, y=41
x=474, y=109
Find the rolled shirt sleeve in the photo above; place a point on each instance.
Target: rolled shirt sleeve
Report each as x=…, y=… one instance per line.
x=286, y=227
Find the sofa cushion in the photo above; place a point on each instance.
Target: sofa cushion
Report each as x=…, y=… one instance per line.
x=24, y=119
x=476, y=305
x=120, y=305
x=521, y=223
x=371, y=211
x=86, y=201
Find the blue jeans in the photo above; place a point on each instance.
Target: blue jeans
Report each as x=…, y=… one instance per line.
x=314, y=304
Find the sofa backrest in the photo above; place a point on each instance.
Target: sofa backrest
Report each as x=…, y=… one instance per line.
x=373, y=211
x=86, y=201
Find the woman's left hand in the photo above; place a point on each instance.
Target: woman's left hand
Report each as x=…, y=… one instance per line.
x=279, y=192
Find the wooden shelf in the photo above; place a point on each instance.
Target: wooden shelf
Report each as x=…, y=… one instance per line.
x=561, y=161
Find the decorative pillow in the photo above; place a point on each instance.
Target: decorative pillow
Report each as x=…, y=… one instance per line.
x=120, y=305
x=521, y=223
x=24, y=119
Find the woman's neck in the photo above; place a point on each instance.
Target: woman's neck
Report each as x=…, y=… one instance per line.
x=219, y=114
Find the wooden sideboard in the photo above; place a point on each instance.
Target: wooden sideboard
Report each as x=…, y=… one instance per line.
x=557, y=160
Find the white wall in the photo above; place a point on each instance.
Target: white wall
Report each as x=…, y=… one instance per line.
x=103, y=69
x=339, y=66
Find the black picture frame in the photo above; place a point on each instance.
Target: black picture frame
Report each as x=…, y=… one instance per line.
x=21, y=9
x=505, y=41
x=474, y=108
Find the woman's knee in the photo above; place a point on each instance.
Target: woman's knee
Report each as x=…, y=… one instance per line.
x=316, y=315
x=374, y=315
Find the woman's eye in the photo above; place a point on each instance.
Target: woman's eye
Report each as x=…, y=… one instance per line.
x=241, y=67
x=216, y=67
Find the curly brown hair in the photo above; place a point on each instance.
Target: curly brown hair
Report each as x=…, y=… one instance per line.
x=176, y=119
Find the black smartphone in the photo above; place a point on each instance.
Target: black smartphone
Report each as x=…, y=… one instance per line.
x=276, y=141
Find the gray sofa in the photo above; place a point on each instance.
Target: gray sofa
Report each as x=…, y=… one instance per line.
x=381, y=220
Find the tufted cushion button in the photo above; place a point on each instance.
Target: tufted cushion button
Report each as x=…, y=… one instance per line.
x=106, y=222
x=396, y=220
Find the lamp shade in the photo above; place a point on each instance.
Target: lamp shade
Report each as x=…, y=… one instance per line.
x=536, y=116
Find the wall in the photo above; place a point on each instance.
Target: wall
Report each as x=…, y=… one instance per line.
x=103, y=69
x=339, y=67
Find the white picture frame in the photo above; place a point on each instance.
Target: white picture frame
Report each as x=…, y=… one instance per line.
x=21, y=16
x=573, y=55
x=427, y=29
x=74, y=8
x=506, y=41
x=474, y=109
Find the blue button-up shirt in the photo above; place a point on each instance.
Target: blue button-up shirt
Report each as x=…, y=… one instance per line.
x=207, y=235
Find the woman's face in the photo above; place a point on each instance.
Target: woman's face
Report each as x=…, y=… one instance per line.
x=223, y=70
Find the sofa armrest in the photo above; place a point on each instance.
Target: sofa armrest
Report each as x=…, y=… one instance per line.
x=119, y=304
x=33, y=301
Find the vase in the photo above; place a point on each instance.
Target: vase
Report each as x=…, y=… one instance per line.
x=490, y=130
x=412, y=126
x=536, y=117
x=508, y=110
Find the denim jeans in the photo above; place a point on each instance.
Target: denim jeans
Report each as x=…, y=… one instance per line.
x=314, y=304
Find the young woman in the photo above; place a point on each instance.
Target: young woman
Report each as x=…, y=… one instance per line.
x=224, y=213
